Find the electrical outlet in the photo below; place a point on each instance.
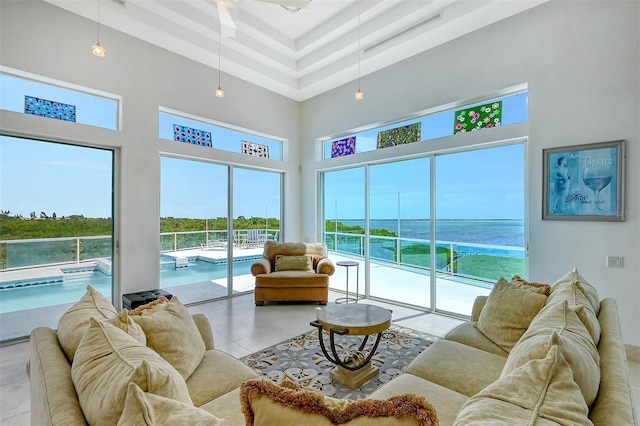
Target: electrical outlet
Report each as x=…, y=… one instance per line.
x=615, y=261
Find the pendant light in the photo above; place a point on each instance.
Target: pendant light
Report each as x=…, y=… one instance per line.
x=359, y=95
x=219, y=91
x=97, y=49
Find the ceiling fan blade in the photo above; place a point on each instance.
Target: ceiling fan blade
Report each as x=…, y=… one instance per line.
x=227, y=20
x=303, y=4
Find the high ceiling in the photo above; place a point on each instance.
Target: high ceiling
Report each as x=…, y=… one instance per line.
x=301, y=54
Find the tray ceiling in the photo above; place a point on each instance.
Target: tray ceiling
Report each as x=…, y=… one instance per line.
x=301, y=54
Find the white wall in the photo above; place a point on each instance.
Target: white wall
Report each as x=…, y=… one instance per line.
x=39, y=38
x=581, y=62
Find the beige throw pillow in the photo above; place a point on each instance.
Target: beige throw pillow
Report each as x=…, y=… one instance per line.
x=294, y=263
x=541, y=392
x=575, y=286
x=171, y=332
x=558, y=325
x=147, y=409
x=531, y=286
x=106, y=361
x=263, y=402
x=75, y=321
x=507, y=313
x=124, y=322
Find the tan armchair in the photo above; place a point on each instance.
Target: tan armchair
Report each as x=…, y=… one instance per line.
x=293, y=272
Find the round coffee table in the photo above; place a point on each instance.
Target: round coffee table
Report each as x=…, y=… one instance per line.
x=354, y=368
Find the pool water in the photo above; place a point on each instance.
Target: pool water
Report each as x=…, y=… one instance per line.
x=74, y=285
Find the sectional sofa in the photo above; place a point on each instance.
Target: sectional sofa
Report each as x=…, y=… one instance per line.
x=532, y=354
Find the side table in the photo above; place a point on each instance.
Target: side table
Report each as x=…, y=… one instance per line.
x=133, y=300
x=347, y=264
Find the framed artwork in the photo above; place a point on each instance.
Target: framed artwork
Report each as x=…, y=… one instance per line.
x=584, y=182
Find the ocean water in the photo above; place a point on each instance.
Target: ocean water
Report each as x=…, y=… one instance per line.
x=496, y=232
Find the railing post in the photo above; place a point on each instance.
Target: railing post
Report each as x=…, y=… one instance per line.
x=175, y=241
x=77, y=250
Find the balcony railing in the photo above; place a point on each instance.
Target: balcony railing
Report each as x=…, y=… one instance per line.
x=469, y=260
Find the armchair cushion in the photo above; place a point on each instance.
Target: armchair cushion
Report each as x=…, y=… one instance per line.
x=294, y=263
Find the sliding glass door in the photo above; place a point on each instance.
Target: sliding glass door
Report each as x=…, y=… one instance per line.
x=480, y=223
x=344, y=222
x=478, y=234
x=399, y=231
x=256, y=211
x=56, y=230
x=193, y=229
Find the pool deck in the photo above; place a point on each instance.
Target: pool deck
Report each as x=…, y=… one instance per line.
x=215, y=254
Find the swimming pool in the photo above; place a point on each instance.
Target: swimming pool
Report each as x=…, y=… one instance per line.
x=74, y=284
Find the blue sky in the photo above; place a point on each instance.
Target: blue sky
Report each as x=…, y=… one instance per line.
x=482, y=184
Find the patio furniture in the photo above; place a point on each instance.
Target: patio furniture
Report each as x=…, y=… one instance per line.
x=293, y=272
x=214, y=244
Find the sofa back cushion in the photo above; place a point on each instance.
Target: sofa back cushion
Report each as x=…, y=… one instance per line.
x=106, y=361
x=579, y=290
x=540, y=392
x=75, y=321
x=559, y=325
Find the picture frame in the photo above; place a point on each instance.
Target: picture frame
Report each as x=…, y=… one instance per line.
x=584, y=182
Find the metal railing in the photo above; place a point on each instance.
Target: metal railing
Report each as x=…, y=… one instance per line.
x=416, y=253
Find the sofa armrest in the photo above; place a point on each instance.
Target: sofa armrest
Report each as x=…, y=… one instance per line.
x=204, y=327
x=262, y=266
x=53, y=397
x=478, y=305
x=326, y=266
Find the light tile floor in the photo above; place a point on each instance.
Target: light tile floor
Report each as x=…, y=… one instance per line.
x=240, y=328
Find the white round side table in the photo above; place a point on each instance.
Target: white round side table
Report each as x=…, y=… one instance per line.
x=347, y=264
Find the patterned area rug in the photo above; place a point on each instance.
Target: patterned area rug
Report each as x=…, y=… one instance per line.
x=301, y=359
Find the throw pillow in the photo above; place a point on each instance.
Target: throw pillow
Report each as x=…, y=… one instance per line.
x=106, y=361
x=294, y=263
x=124, y=322
x=531, y=286
x=75, y=321
x=263, y=401
x=507, y=313
x=541, y=392
x=560, y=326
x=583, y=292
x=171, y=332
x=147, y=409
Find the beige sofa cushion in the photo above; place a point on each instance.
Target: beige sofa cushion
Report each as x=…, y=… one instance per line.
x=456, y=366
x=581, y=292
x=468, y=334
x=508, y=313
x=263, y=401
x=558, y=325
x=125, y=323
x=217, y=374
x=147, y=409
x=446, y=402
x=172, y=333
x=75, y=321
x=531, y=286
x=541, y=392
x=106, y=361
